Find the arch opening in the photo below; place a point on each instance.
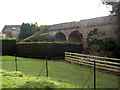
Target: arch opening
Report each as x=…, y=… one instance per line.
x=76, y=36
x=60, y=37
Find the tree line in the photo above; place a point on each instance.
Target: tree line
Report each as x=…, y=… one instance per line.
x=28, y=29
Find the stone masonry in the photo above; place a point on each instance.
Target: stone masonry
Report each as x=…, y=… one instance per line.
x=84, y=29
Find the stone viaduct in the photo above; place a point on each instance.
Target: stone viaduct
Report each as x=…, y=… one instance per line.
x=82, y=30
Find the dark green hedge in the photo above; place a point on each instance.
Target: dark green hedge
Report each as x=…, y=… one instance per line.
x=8, y=46
x=47, y=49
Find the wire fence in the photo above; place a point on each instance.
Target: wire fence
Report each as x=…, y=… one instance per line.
x=24, y=65
x=38, y=68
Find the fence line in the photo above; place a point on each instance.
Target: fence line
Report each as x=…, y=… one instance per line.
x=106, y=63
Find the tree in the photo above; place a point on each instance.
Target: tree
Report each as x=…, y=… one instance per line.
x=115, y=11
x=34, y=28
x=115, y=6
x=27, y=30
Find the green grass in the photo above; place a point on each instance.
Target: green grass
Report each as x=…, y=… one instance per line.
x=61, y=71
x=12, y=58
x=19, y=80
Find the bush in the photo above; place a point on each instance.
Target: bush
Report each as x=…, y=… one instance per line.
x=8, y=46
x=106, y=46
x=47, y=49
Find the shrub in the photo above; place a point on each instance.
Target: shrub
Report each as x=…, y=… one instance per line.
x=106, y=46
x=47, y=49
x=8, y=46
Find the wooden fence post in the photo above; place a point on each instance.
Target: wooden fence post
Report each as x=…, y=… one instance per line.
x=94, y=75
x=105, y=61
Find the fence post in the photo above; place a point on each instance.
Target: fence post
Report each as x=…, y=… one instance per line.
x=46, y=67
x=94, y=75
x=105, y=61
x=16, y=61
x=88, y=60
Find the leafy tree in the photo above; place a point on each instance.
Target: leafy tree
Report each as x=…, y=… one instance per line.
x=115, y=11
x=115, y=7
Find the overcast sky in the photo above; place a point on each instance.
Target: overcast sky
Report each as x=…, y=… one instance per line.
x=110, y=0
x=48, y=12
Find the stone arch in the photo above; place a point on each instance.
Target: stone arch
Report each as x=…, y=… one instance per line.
x=76, y=36
x=60, y=37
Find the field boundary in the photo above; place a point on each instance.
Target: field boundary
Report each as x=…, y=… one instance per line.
x=111, y=64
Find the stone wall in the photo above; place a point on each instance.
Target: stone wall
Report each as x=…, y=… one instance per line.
x=101, y=26
x=85, y=23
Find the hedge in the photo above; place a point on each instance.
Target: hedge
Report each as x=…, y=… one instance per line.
x=47, y=49
x=8, y=46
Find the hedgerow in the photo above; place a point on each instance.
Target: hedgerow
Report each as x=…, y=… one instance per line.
x=8, y=46
x=47, y=49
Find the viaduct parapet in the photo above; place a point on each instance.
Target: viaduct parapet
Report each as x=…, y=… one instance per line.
x=82, y=30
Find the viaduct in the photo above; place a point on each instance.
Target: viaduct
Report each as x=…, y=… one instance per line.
x=82, y=30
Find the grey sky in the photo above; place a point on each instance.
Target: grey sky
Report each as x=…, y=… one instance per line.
x=48, y=12
x=110, y=0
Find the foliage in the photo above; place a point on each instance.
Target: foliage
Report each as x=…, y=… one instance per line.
x=47, y=49
x=7, y=39
x=115, y=7
x=106, y=46
x=35, y=28
x=116, y=11
x=39, y=37
x=27, y=30
x=8, y=46
x=44, y=28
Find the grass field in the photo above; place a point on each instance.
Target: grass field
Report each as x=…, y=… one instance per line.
x=61, y=71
